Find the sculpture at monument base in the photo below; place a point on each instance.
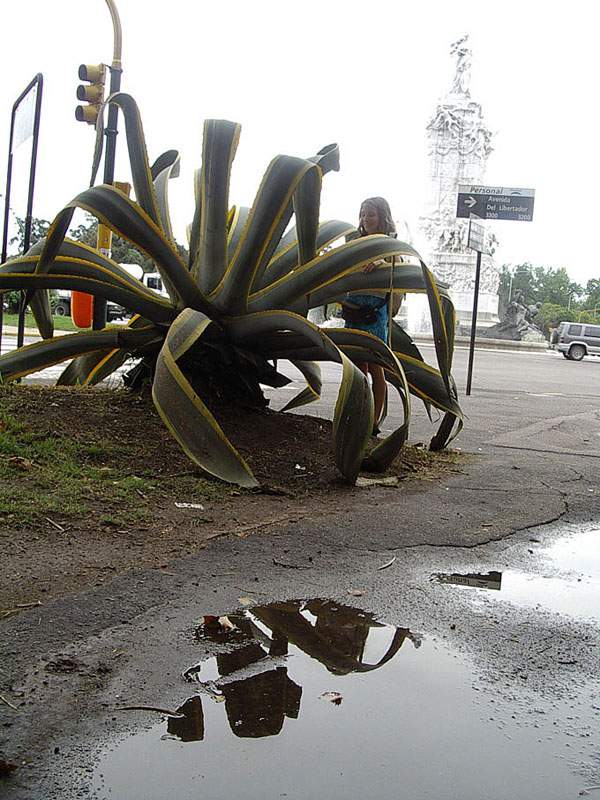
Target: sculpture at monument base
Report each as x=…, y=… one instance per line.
x=518, y=324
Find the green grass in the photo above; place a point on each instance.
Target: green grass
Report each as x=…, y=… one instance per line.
x=60, y=323
x=61, y=479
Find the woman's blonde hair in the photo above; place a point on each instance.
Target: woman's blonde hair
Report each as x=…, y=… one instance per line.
x=381, y=205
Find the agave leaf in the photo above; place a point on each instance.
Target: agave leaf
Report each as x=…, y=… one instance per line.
x=83, y=276
x=114, y=209
x=306, y=203
x=450, y=321
x=94, y=367
x=262, y=232
x=37, y=356
x=141, y=174
x=236, y=223
x=353, y=416
x=163, y=170
x=286, y=257
x=312, y=391
x=402, y=342
x=184, y=413
x=361, y=343
x=444, y=435
x=333, y=265
x=220, y=143
x=443, y=346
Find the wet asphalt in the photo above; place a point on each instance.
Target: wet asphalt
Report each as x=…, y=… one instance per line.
x=500, y=700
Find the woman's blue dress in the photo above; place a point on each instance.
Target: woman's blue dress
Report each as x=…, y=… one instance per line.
x=378, y=328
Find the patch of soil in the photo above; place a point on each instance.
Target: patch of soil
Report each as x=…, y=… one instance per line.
x=115, y=502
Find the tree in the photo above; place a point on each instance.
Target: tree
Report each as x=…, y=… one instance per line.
x=550, y=314
x=592, y=290
x=537, y=285
x=39, y=229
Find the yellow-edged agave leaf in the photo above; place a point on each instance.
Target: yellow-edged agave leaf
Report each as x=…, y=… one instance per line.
x=306, y=202
x=39, y=303
x=184, y=413
x=353, y=416
x=286, y=257
x=141, y=174
x=125, y=218
x=443, y=346
x=219, y=145
x=450, y=321
x=326, y=269
x=68, y=273
x=38, y=356
x=263, y=230
x=445, y=435
x=94, y=367
x=312, y=391
x=163, y=170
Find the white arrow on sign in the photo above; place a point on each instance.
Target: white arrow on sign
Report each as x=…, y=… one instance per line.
x=470, y=202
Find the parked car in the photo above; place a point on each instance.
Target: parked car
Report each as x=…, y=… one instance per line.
x=576, y=340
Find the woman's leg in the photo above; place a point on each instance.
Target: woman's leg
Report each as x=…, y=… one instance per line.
x=379, y=389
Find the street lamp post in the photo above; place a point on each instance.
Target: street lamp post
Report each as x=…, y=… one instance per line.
x=116, y=68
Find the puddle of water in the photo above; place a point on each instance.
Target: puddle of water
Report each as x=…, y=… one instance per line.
x=575, y=592
x=315, y=699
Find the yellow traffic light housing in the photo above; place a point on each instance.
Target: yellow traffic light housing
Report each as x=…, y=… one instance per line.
x=92, y=94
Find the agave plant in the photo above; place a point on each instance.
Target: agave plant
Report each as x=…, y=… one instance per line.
x=239, y=306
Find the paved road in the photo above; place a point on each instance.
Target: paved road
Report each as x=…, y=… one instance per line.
x=511, y=678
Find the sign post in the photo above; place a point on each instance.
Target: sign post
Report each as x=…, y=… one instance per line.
x=24, y=123
x=495, y=202
x=476, y=242
x=477, y=203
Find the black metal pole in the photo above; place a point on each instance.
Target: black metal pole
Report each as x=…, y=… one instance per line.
x=111, y=131
x=29, y=214
x=473, y=323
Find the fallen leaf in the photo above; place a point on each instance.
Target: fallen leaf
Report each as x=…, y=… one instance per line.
x=387, y=563
x=24, y=464
x=356, y=592
x=199, y=506
x=391, y=480
x=247, y=601
x=333, y=697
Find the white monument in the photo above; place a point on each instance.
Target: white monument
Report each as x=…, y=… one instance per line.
x=459, y=147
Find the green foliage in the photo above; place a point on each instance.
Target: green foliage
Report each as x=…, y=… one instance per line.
x=237, y=304
x=588, y=317
x=551, y=314
x=39, y=229
x=537, y=285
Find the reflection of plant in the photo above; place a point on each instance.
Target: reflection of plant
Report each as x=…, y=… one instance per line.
x=254, y=684
x=237, y=305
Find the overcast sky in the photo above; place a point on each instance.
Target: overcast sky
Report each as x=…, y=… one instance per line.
x=298, y=76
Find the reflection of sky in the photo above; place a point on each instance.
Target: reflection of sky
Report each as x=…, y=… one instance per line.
x=412, y=729
x=576, y=592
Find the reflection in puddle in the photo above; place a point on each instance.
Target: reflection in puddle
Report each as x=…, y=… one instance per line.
x=575, y=593
x=252, y=679
x=492, y=580
x=318, y=700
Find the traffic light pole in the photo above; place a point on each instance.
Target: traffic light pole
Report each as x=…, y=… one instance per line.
x=111, y=131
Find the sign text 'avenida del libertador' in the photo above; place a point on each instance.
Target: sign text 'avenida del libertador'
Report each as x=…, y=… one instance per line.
x=495, y=202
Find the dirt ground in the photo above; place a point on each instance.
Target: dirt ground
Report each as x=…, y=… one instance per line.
x=91, y=481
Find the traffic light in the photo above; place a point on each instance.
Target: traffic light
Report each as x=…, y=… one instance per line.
x=93, y=94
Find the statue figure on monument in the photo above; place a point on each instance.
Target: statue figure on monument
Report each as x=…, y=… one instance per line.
x=462, y=78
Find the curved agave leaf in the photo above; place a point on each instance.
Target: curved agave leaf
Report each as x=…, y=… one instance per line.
x=163, y=170
x=114, y=209
x=326, y=269
x=450, y=321
x=444, y=435
x=141, y=174
x=184, y=413
x=94, y=367
x=84, y=276
x=360, y=344
x=312, y=373
x=263, y=230
x=37, y=356
x=443, y=345
x=219, y=145
x=286, y=256
x=353, y=415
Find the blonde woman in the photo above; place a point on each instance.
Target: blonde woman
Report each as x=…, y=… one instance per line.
x=369, y=312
